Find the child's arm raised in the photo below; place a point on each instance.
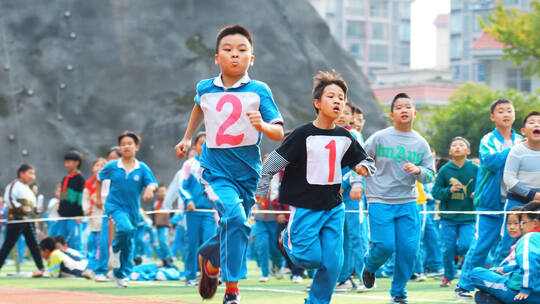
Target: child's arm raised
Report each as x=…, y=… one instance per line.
x=272, y=131
x=195, y=121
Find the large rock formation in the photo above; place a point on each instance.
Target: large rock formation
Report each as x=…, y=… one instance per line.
x=74, y=74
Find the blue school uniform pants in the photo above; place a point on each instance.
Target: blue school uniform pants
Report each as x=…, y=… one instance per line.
x=432, y=246
x=92, y=249
x=456, y=239
x=353, y=247
x=124, y=240
x=200, y=228
x=266, y=245
x=394, y=228
x=497, y=285
x=164, y=250
x=488, y=233
x=314, y=240
x=70, y=230
x=233, y=201
x=102, y=254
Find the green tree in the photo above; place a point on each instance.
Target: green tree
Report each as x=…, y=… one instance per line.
x=467, y=115
x=520, y=33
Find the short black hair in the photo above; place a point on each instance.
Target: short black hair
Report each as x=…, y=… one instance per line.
x=232, y=30
x=198, y=136
x=352, y=106
x=498, y=102
x=441, y=161
x=463, y=139
x=324, y=79
x=60, y=239
x=23, y=168
x=115, y=149
x=358, y=109
x=135, y=136
x=398, y=96
x=74, y=155
x=47, y=243
x=532, y=113
x=516, y=208
x=532, y=206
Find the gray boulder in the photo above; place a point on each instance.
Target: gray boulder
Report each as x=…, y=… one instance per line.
x=75, y=74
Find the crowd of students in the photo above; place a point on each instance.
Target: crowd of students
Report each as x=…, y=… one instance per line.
x=324, y=175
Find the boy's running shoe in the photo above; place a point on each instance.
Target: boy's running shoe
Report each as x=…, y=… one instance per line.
x=263, y=279
x=88, y=273
x=120, y=283
x=101, y=278
x=191, y=283
x=418, y=277
x=434, y=274
x=208, y=283
x=231, y=298
x=368, y=278
x=460, y=293
x=399, y=300
x=445, y=282
x=343, y=286
x=481, y=297
x=297, y=279
x=361, y=288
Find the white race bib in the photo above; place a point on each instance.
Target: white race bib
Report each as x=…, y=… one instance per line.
x=226, y=121
x=324, y=155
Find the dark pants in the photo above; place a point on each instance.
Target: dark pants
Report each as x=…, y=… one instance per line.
x=12, y=234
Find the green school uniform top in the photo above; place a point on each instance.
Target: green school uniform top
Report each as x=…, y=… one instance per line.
x=460, y=200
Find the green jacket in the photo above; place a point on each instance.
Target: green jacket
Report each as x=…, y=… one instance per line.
x=460, y=200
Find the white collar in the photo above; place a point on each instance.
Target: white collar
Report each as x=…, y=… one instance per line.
x=120, y=164
x=218, y=82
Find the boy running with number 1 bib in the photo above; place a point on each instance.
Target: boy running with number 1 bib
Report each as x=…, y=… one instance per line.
x=314, y=156
x=236, y=110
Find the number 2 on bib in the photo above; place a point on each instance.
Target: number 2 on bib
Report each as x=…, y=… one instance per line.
x=331, y=146
x=221, y=137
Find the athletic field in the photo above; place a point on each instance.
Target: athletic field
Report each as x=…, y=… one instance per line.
x=60, y=291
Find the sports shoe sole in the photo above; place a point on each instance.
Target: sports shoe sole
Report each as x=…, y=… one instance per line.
x=207, y=283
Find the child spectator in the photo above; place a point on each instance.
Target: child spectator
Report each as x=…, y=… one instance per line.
x=517, y=281
x=402, y=158
x=314, y=156
x=236, y=110
x=102, y=255
x=60, y=264
x=71, y=200
x=21, y=203
x=490, y=193
x=454, y=187
x=163, y=228
x=52, y=211
x=522, y=170
x=129, y=178
x=200, y=226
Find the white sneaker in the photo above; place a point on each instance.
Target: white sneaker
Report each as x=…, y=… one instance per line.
x=361, y=288
x=263, y=279
x=101, y=278
x=88, y=273
x=343, y=286
x=121, y=283
x=114, y=260
x=297, y=279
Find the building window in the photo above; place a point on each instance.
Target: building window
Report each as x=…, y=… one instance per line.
x=356, y=29
x=456, y=48
x=378, y=31
x=481, y=72
x=356, y=51
x=405, y=56
x=355, y=7
x=405, y=32
x=378, y=9
x=456, y=24
x=378, y=53
x=517, y=79
x=511, y=2
x=456, y=4
x=405, y=10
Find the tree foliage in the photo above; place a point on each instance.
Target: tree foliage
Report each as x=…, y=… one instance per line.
x=468, y=115
x=520, y=33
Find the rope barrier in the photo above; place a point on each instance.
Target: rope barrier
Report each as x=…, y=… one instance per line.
x=37, y=220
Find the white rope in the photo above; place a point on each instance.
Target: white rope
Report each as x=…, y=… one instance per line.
x=37, y=220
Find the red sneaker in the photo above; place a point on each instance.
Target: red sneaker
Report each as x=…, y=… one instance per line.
x=445, y=282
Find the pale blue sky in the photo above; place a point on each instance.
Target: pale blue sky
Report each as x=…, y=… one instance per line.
x=423, y=14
